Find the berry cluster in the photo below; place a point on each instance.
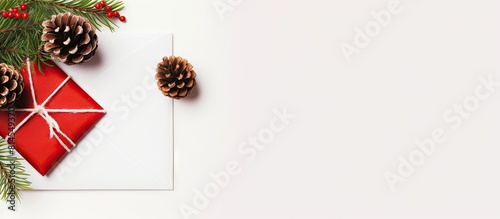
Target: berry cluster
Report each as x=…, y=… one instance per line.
x=109, y=11
x=17, y=12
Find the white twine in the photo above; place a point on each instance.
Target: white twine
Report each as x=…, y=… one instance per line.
x=40, y=109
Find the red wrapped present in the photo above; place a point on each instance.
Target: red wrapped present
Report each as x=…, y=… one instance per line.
x=52, y=115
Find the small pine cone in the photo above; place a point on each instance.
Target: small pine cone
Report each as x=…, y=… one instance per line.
x=69, y=38
x=175, y=77
x=11, y=85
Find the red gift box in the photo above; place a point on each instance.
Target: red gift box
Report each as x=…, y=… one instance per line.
x=47, y=128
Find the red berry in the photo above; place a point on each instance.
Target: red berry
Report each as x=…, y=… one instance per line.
x=25, y=15
x=18, y=15
x=11, y=14
x=123, y=18
x=103, y=3
x=109, y=14
x=23, y=6
x=108, y=8
x=116, y=13
x=98, y=6
x=15, y=10
x=5, y=14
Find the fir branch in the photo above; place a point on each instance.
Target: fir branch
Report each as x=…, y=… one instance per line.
x=25, y=34
x=13, y=49
x=84, y=8
x=13, y=176
x=27, y=26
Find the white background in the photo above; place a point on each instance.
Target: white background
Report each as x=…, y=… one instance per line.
x=352, y=121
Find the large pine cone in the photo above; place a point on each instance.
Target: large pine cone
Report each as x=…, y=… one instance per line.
x=175, y=77
x=11, y=85
x=69, y=38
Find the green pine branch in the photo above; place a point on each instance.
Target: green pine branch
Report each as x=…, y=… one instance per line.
x=21, y=39
x=13, y=176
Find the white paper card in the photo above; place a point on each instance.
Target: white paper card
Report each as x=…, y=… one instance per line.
x=132, y=146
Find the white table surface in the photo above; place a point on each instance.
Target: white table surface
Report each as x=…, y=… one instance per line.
x=352, y=121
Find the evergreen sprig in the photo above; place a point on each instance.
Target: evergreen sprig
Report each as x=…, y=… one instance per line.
x=21, y=39
x=13, y=176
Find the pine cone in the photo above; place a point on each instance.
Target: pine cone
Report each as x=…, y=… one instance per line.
x=175, y=77
x=11, y=85
x=69, y=38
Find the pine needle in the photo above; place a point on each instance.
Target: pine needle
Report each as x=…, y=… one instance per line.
x=13, y=176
